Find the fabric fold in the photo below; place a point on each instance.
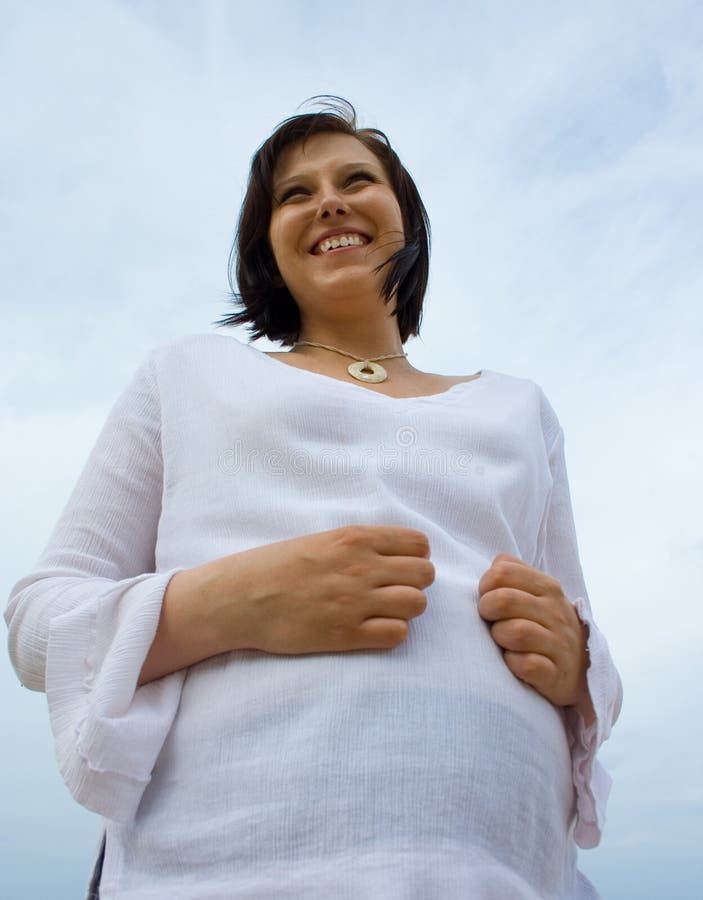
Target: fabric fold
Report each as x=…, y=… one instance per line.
x=560, y=558
x=107, y=731
x=81, y=624
x=591, y=781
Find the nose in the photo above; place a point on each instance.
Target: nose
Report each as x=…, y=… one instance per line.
x=331, y=204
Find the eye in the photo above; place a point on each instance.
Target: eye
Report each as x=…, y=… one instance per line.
x=293, y=191
x=359, y=176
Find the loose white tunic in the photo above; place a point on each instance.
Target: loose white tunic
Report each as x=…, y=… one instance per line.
x=425, y=771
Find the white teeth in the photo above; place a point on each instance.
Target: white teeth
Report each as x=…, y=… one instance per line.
x=341, y=240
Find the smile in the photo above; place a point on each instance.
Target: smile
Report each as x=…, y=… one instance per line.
x=352, y=239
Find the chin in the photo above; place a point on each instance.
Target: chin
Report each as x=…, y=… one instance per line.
x=343, y=284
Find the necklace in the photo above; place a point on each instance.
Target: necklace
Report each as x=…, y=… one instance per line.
x=363, y=369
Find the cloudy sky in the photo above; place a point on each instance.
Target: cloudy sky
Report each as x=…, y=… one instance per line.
x=559, y=149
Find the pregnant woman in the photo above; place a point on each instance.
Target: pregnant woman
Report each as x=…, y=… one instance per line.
x=313, y=623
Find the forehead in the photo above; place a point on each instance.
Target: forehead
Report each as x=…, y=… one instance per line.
x=322, y=151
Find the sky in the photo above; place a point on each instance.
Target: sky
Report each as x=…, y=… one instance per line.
x=559, y=151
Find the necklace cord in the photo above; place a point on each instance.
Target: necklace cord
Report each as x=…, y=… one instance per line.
x=351, y=355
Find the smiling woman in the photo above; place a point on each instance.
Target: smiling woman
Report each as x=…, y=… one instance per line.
x=334, y=226
x=276, y=677
x=367, y=162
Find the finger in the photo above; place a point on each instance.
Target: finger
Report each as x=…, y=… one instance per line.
x=523, y=636
x=380, y=633
x=509, y=603
x=534, y=669
x=405, y=570
x=395, y=602
x=397, y=541
x=516, y=574
x=507, y=557
x=388, y=540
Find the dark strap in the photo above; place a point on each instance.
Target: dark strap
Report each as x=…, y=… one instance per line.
x=94, y=886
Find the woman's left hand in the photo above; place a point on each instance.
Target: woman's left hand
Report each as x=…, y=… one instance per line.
x=538, y=628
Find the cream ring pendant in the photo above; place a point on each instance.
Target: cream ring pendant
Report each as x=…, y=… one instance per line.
x=365, y=370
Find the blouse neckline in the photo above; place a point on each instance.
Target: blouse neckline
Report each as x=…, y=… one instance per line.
x=330, y=382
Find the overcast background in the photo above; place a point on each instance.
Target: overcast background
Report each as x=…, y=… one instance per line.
x=559, y=150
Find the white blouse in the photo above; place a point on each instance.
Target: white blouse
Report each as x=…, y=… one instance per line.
x=425, y=771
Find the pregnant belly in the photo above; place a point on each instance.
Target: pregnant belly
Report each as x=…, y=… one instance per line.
x=311, y=756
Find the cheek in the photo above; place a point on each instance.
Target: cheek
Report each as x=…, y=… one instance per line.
x=395, y=216
x=275, y=239
x=283, y=237
x=400, y=220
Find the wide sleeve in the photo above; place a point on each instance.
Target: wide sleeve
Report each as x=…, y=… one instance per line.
x=560, y=559
x=81, y=624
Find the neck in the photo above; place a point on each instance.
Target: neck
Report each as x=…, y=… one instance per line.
x=359, y=341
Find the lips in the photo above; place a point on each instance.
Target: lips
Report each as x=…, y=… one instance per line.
x=339, y=237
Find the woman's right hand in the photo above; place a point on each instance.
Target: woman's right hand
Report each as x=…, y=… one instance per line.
x=351, y=588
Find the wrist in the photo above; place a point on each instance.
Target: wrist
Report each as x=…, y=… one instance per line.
x=190, y=626
x=214, y=598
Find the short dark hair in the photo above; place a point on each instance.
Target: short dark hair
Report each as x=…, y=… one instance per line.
x=267, y=306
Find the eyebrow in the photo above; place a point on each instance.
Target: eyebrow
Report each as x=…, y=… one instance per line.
x=345, y=167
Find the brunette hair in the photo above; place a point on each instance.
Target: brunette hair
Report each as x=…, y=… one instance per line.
x=267, y=306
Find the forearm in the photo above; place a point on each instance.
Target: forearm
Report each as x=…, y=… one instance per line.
x=318, y=593
x=191, y=626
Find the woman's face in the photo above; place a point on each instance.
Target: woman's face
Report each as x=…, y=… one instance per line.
x=335, y=218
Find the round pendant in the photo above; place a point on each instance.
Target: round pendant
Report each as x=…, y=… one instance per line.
x=367, y=371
